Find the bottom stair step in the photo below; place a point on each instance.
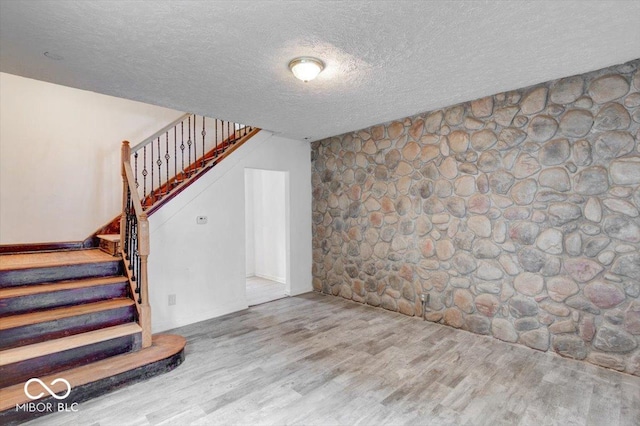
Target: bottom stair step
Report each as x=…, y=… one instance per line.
x=20, y=364
x=95, y=379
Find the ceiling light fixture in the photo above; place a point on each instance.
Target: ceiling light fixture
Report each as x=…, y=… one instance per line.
x=306, y=68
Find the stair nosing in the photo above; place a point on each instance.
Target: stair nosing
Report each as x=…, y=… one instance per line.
x=64, y=312
x=36, y=350
x=33, y=289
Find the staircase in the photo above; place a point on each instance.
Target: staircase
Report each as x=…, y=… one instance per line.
x=77, y=320
x=69, y=314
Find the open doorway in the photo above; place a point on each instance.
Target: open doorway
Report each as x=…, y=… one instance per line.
x=267, y=235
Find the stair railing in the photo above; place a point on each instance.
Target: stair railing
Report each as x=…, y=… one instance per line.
x=178, y=151
x=159, y=166
x=134, y=244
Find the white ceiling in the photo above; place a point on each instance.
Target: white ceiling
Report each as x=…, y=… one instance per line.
x=385, y=59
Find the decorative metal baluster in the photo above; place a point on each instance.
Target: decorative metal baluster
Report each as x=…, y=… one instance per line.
x=204, y=132
x=139, y=282
x=131, y=217
x=195, y=146
x=182, y=148
x=167, y=157
x=144, y=174
x=135, y=157
x=175, y=155
x=151, y=194
x=125, y=243
x=223, y=142
x=159, y=163
x=189, y=144
x=134, y=248
x=215, y=151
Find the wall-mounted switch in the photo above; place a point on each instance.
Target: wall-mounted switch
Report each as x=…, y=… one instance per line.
x=201, y=220
x=172, y=299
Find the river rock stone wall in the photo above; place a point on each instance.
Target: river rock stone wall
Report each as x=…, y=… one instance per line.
x=518, y=213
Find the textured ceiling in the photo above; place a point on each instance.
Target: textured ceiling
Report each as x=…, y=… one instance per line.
x=385, y=59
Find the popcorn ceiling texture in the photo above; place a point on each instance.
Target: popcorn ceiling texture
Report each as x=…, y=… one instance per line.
x=518, y=213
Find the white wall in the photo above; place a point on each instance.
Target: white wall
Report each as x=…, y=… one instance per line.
x=249, y=229
x=60, y=158
x=266, y=226
x=204, y=265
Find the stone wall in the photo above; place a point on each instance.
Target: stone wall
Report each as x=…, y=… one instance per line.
x=518, y=213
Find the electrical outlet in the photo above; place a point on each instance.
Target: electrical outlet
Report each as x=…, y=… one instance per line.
x=172, y=299
x=201, y=220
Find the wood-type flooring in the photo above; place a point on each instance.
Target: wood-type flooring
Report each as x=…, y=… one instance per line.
x=321, y=360
x=261, y=290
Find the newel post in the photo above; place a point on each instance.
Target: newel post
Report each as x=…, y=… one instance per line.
x=125, y=154
x=145, y=309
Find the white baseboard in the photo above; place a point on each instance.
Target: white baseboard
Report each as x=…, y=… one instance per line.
x=280, y=280
x=182, y=320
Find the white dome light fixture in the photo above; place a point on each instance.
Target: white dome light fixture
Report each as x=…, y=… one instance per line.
x=306, y=68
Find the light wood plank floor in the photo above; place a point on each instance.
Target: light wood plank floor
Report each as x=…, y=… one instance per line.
x=261, y=290
x=321, y=360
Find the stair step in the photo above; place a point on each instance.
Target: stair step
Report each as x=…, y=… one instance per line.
x=21, y=299
x=25, y=329
x=21, y=363
x=98, y=378
x=32, y=268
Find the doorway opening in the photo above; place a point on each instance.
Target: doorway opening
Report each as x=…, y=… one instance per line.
x=267, y=235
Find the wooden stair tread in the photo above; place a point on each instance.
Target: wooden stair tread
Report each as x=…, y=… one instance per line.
x=20, y=320
x=28, y=290
x=22, y=353
x=163, y=346
x=109, y=237
x=18, y=261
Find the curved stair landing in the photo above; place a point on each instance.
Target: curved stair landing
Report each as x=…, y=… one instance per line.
x=98, y=378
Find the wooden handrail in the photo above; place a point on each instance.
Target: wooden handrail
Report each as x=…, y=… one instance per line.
x=160, y=132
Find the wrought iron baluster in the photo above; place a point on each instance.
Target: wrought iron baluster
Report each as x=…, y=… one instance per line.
x=167, y=157
x=151, y=167
x=182, y=147
x=215, y=150
x=223, y=142
x=134, y=247
x=204, y=132
x=189, y=144
x=195, y=146
x=159, y=163
x=194, y=162
x=139, y=282
x=175, y=155
x=125, y=243
x=135, y=157
x=144, y=173
x=131, y=236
